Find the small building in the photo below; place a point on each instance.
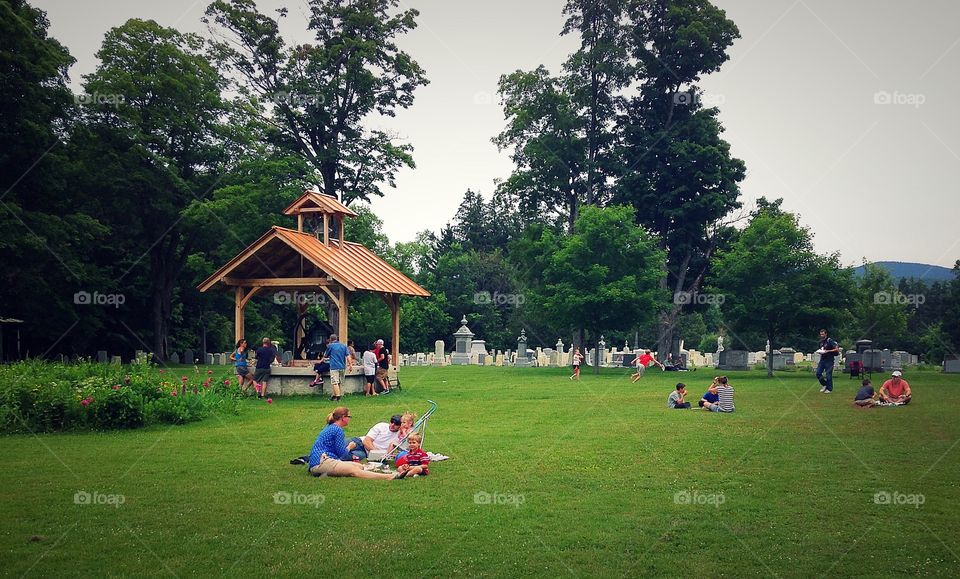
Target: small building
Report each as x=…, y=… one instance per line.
x=314, y=257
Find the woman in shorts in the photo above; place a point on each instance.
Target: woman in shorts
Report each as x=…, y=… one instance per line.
x=331, y=444
x=239, y=357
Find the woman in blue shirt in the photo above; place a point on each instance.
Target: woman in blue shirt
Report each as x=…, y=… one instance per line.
x=331, y=445
x=239, y=357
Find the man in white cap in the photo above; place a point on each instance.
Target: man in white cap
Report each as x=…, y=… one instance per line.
x=896, y=390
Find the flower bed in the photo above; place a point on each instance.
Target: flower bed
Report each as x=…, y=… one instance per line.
x=39, y=396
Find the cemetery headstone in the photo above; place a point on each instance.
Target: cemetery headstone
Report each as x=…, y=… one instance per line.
x=463, y=336
x=102, y=356
x=174, y=358
x=188, y=357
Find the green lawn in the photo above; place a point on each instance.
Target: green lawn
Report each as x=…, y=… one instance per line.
x=583, y=479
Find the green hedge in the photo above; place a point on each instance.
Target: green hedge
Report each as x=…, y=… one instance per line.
x=39, y=396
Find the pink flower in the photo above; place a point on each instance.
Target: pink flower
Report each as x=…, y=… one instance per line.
x=209, y=372
x=85, y=402
x=184, y=378
x=269, y=400
x=161, y=370
x=226, y=382
x=173, y=393
x=116, y=386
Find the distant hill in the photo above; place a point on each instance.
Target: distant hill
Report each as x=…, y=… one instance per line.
x=900, y=269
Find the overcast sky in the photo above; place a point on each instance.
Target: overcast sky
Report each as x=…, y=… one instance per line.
x=846, y=109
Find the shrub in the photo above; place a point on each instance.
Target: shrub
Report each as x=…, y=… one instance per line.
x=38, y=396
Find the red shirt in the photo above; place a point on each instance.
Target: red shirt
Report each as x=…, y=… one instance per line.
x=895, y=388
x=645, y=359
x=415, y=458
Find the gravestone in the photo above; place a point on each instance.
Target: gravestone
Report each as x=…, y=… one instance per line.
x=779, y=360
x=102, y=356
x=286, y=357
x=952, y=366
x=733, y=360
x=115, y=360
x=479, y=347
x=872, y=360
x=218, y=359
x=438, y=347
x=789, y=356
x=188, y=357
x=174, y=358
x=462, y=337
x=208, y=359
x=885, y=358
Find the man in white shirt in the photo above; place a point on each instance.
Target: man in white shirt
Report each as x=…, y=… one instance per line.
x=377, y=440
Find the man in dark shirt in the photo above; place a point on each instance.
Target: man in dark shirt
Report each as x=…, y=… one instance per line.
x=865, y=397
x=828, y=351
x=266, y=354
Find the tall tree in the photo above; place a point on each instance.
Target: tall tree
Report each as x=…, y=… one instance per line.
x=160, y=121
x=678, y=171
x=604, y=277
x=317, y=96
x=878, y=314
x=774, y=283
x=48, y=236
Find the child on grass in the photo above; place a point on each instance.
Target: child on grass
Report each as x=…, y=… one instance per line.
x=710, y=396
x=577, y=360
x=415, y=462
x=676, y=398
x=866, y=397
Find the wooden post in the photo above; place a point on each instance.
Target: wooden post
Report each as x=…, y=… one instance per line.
x=344, y=314
x=340, y=229
x=238, y=314
x=301, y=323
x=326, y=229
x=300, y=223
x=395, y=338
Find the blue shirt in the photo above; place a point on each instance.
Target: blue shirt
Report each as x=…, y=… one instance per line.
x=241, y=358
x=711, y=397
x=864, y=393
x=331, y=442
x=265, y=356
x=337, y=353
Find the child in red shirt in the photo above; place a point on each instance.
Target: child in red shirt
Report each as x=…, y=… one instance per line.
x=415, y=461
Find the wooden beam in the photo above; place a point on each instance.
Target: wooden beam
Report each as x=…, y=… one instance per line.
x=326, y=229
x=339, y=219
x=300, y=222
x=238, y=314
x=278, y=282
x=250, y=294
x=344, y=317
x=395, y=313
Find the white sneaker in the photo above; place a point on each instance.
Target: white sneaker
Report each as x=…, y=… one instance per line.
x=825, y=391
x=823, y=388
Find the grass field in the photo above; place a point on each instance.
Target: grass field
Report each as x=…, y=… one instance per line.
x=547, y=477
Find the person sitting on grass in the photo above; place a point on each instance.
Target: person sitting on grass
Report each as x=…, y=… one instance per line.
x=407, y=420
x=675, y=400
x=865, y=397
x=378, y=438
x=896, y=390
x=414, y=462
x=710, y=396
x=725, y=397
x=330, y=446
x=642, y=361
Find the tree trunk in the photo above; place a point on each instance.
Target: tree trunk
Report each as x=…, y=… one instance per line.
x=770, y=356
